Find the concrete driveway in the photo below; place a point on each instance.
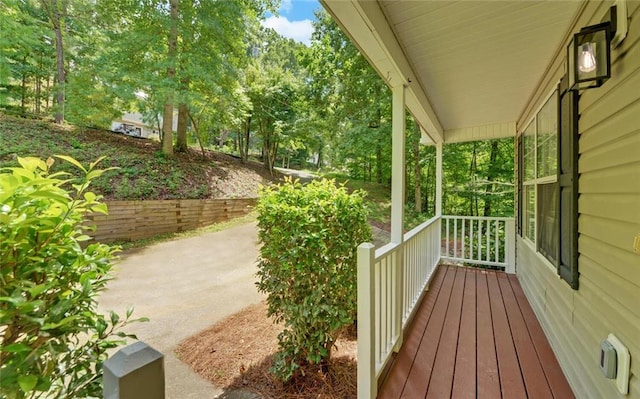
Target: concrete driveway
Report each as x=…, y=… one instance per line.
x=185, y=286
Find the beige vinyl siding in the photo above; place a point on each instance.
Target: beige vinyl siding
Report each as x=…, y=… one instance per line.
x=608, y=300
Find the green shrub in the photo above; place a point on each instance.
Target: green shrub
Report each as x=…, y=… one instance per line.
x=52, y=340
x=307, y=266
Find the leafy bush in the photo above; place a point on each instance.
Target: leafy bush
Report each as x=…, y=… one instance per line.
x=51, y=337
x=307, y=266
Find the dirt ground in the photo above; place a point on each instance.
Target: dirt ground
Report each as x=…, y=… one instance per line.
x=237, y=353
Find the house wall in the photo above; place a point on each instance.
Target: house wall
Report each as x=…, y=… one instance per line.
x=608, y=300
x=135, y=118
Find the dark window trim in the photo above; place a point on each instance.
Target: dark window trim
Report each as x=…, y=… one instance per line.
x=568, y=115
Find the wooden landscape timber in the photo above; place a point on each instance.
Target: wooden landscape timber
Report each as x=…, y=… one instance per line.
x=134, y=220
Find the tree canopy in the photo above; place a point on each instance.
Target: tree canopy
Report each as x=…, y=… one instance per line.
x=230, y=83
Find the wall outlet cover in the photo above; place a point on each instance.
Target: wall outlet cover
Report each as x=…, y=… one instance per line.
x=624, y=363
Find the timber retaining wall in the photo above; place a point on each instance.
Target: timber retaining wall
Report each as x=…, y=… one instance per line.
x=134, y=220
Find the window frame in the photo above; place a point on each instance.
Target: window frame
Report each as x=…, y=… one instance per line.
x=532, y=238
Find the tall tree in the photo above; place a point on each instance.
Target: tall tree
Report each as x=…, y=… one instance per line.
x=56, y=12
x=172, y=50
x=26, y=58
x=200, y=50
x=417, y=168
x=351, y=94
x=273, y=81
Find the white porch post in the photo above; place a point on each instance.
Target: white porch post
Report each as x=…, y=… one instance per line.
x=397, y=201
x=439, y=179
x=397, y=164
x=438, y=247
x=510, y=246
x=367, y=382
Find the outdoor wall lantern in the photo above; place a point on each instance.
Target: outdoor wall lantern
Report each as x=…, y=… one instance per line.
x=589, y=53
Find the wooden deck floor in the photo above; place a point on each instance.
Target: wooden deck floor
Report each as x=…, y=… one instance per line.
x=475, y=336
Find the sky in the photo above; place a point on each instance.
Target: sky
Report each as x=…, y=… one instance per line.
x=294, y=20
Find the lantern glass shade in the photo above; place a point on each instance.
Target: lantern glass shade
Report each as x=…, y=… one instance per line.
x=589, y=57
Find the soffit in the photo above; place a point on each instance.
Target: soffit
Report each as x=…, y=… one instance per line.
x=473, y=63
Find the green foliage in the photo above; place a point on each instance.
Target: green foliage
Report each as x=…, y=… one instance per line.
x=307, y=266
x=52, y=339
x=273, y=81
x=478, y=178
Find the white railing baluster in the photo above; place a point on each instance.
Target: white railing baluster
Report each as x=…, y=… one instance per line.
x=389, y=302
x=470, y=239
x=455, y=238
x=496, y=248
x=391, y=281
x=488, y=234
x=448, y=238
x=378, y=308
x=386, y=298
x=473, y=238
x=398, y=308
x=479, y=239
x=463, y=238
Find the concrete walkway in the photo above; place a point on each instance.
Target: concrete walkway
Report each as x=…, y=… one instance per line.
x=185, y=286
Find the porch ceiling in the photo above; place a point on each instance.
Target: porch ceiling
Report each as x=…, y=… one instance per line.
x=471, y=65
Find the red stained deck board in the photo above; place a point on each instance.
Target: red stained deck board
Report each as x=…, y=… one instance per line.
x=464, y=379
x=475, y=335
x=555, y=378
x=534, y=378
x=487, y=363
x=397, y=377
x=511, y=381
x=445, y=362
x=420, y=374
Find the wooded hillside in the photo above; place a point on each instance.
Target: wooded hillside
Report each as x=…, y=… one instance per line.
x=144, y=172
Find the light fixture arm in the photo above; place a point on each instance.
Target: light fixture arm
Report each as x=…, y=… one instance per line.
x=619, y=25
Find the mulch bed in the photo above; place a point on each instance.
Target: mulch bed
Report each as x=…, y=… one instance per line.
x=238, y=352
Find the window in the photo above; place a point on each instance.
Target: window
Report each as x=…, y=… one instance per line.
x=548, y=182
x=539, y=186
x=529, y=170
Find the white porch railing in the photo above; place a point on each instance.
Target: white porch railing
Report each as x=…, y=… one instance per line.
x=390, y=282
x=488, y=241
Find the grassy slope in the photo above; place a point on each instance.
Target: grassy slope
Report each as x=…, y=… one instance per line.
x=143, y=172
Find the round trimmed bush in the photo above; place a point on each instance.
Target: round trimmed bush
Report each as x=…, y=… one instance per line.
x=307, y=266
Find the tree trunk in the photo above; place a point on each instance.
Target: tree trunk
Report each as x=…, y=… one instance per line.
x=417, y=171
x=23, y=93
x=167, y=115
x=48, y=97
x=473, y=168
x=490, y=178
x=183, y=112
x=378, y=163
x=428, y=189
x=38, y=88
x=319, y=161
x=195, y=128
x=167, y=126
x=244, y=141
x=181, y=144
x=54, y=15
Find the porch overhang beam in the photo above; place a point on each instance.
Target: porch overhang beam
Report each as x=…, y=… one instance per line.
x=366, y=25
x=484, y=132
